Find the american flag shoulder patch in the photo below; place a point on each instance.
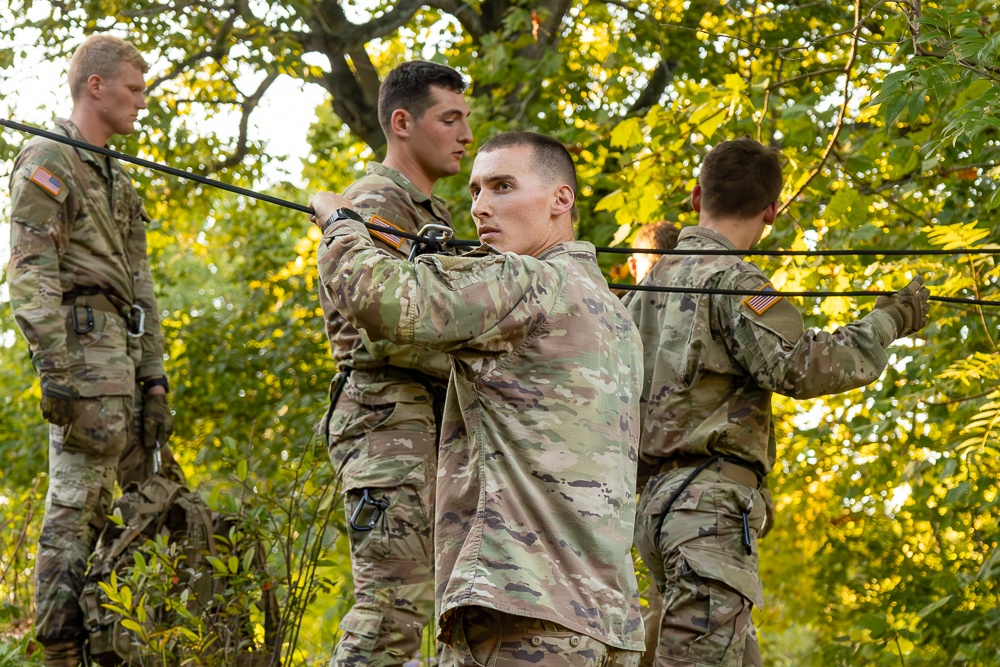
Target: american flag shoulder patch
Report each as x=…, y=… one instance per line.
x=764, y=299
x=46, y=180
x=392, y=239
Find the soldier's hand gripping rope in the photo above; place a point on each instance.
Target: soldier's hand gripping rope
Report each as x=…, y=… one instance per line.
x=908, y=307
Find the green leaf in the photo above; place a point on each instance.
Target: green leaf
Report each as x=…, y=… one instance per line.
x=627, y=133
x=876, y=625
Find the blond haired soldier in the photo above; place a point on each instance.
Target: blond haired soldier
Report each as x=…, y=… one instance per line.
x=536, y=466
x=383, y=426
x=83, y=298
x=712, y=362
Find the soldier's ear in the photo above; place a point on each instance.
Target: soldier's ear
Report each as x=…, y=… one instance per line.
x=696, y=199
x=401, y=123
x=563, y=200
x=94, y=85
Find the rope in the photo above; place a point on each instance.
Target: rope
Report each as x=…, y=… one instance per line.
x=463, y=243
x=739, y=292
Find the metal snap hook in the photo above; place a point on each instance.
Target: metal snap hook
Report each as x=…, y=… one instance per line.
x=380, y=506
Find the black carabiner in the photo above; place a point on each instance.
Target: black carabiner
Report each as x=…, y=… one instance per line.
x=76, y=320
x=380, y=507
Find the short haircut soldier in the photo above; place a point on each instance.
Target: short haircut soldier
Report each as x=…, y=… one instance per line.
x=409, y=87
x=101, y=55
x=740, y=178
x=551, y=156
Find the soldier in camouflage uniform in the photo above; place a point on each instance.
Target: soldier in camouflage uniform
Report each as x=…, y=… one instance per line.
x=382, y=432
x=536, y=466
x=711, y=365
x=83, y=298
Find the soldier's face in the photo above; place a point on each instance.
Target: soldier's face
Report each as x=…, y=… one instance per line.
x=438, y=138
x=512, y=204
x=122, y=98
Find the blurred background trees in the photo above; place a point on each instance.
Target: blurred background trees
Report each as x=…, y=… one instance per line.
x=886, y=546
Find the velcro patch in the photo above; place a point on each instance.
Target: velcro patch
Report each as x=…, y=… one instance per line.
x=47, y=181
x=387, y=236
x=758, y=303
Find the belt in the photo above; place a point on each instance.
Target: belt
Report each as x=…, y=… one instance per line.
x=731, y=468
x=134, y=315
x=95, y=301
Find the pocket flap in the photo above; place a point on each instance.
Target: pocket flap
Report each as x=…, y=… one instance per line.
x=383, y=473
x=729, y=569
x=362, y=621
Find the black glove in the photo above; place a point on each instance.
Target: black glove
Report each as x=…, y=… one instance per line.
x=908, y=307
x=157, y=422
x=57, y=402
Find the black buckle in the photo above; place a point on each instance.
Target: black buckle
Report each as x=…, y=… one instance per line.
x=380, y=507
x=76, y=319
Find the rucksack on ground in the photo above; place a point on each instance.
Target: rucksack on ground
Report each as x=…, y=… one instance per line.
x=163, y=509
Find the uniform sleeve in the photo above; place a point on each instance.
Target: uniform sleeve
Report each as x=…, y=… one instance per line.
x=489, y=304
x=41, y=220
x=390, y=205
x=767, y=336
x=151, y=364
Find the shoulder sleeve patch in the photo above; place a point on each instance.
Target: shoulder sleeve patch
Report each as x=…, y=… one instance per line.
x=761, y=301
x=388, y=236
x=46, y=180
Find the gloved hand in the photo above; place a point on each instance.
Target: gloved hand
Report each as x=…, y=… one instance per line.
x=157, y=422
x=57, y=402
x=908, y=307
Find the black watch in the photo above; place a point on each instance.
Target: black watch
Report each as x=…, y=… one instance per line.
x=155, y=382
x=342, y=214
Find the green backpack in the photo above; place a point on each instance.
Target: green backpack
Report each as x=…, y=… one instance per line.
x=163, y=508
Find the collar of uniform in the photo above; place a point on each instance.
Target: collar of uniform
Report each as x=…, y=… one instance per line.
x=397, y=177
x=578, y=249
x=703, y=234
x=73, y=132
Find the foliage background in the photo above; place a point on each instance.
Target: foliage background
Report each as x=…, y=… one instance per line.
x=886, y=548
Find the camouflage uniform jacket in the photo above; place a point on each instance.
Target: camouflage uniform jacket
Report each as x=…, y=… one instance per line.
x=78, y=225
x=387, y=197
x=711, y=362
x=537, y=460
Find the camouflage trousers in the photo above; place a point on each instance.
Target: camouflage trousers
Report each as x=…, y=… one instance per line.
x=387, y=459
x=651, y=616
x=101, y=446
x=484, y=637
x=697, y=554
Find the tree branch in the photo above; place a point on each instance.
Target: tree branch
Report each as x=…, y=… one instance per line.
x=835, y=134
x=463, y=13
x=248, y=106
x=658, y=82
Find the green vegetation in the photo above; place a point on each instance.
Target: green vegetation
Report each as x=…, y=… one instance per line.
x=887, y=545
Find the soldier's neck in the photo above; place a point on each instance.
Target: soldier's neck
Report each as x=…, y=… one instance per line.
x=93, y=129
x=742, y=233
x=409, y=167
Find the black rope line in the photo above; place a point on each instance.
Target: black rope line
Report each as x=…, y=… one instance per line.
x=180, y=173
x=464, y=243
x=807, y=253
x=741, y=292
